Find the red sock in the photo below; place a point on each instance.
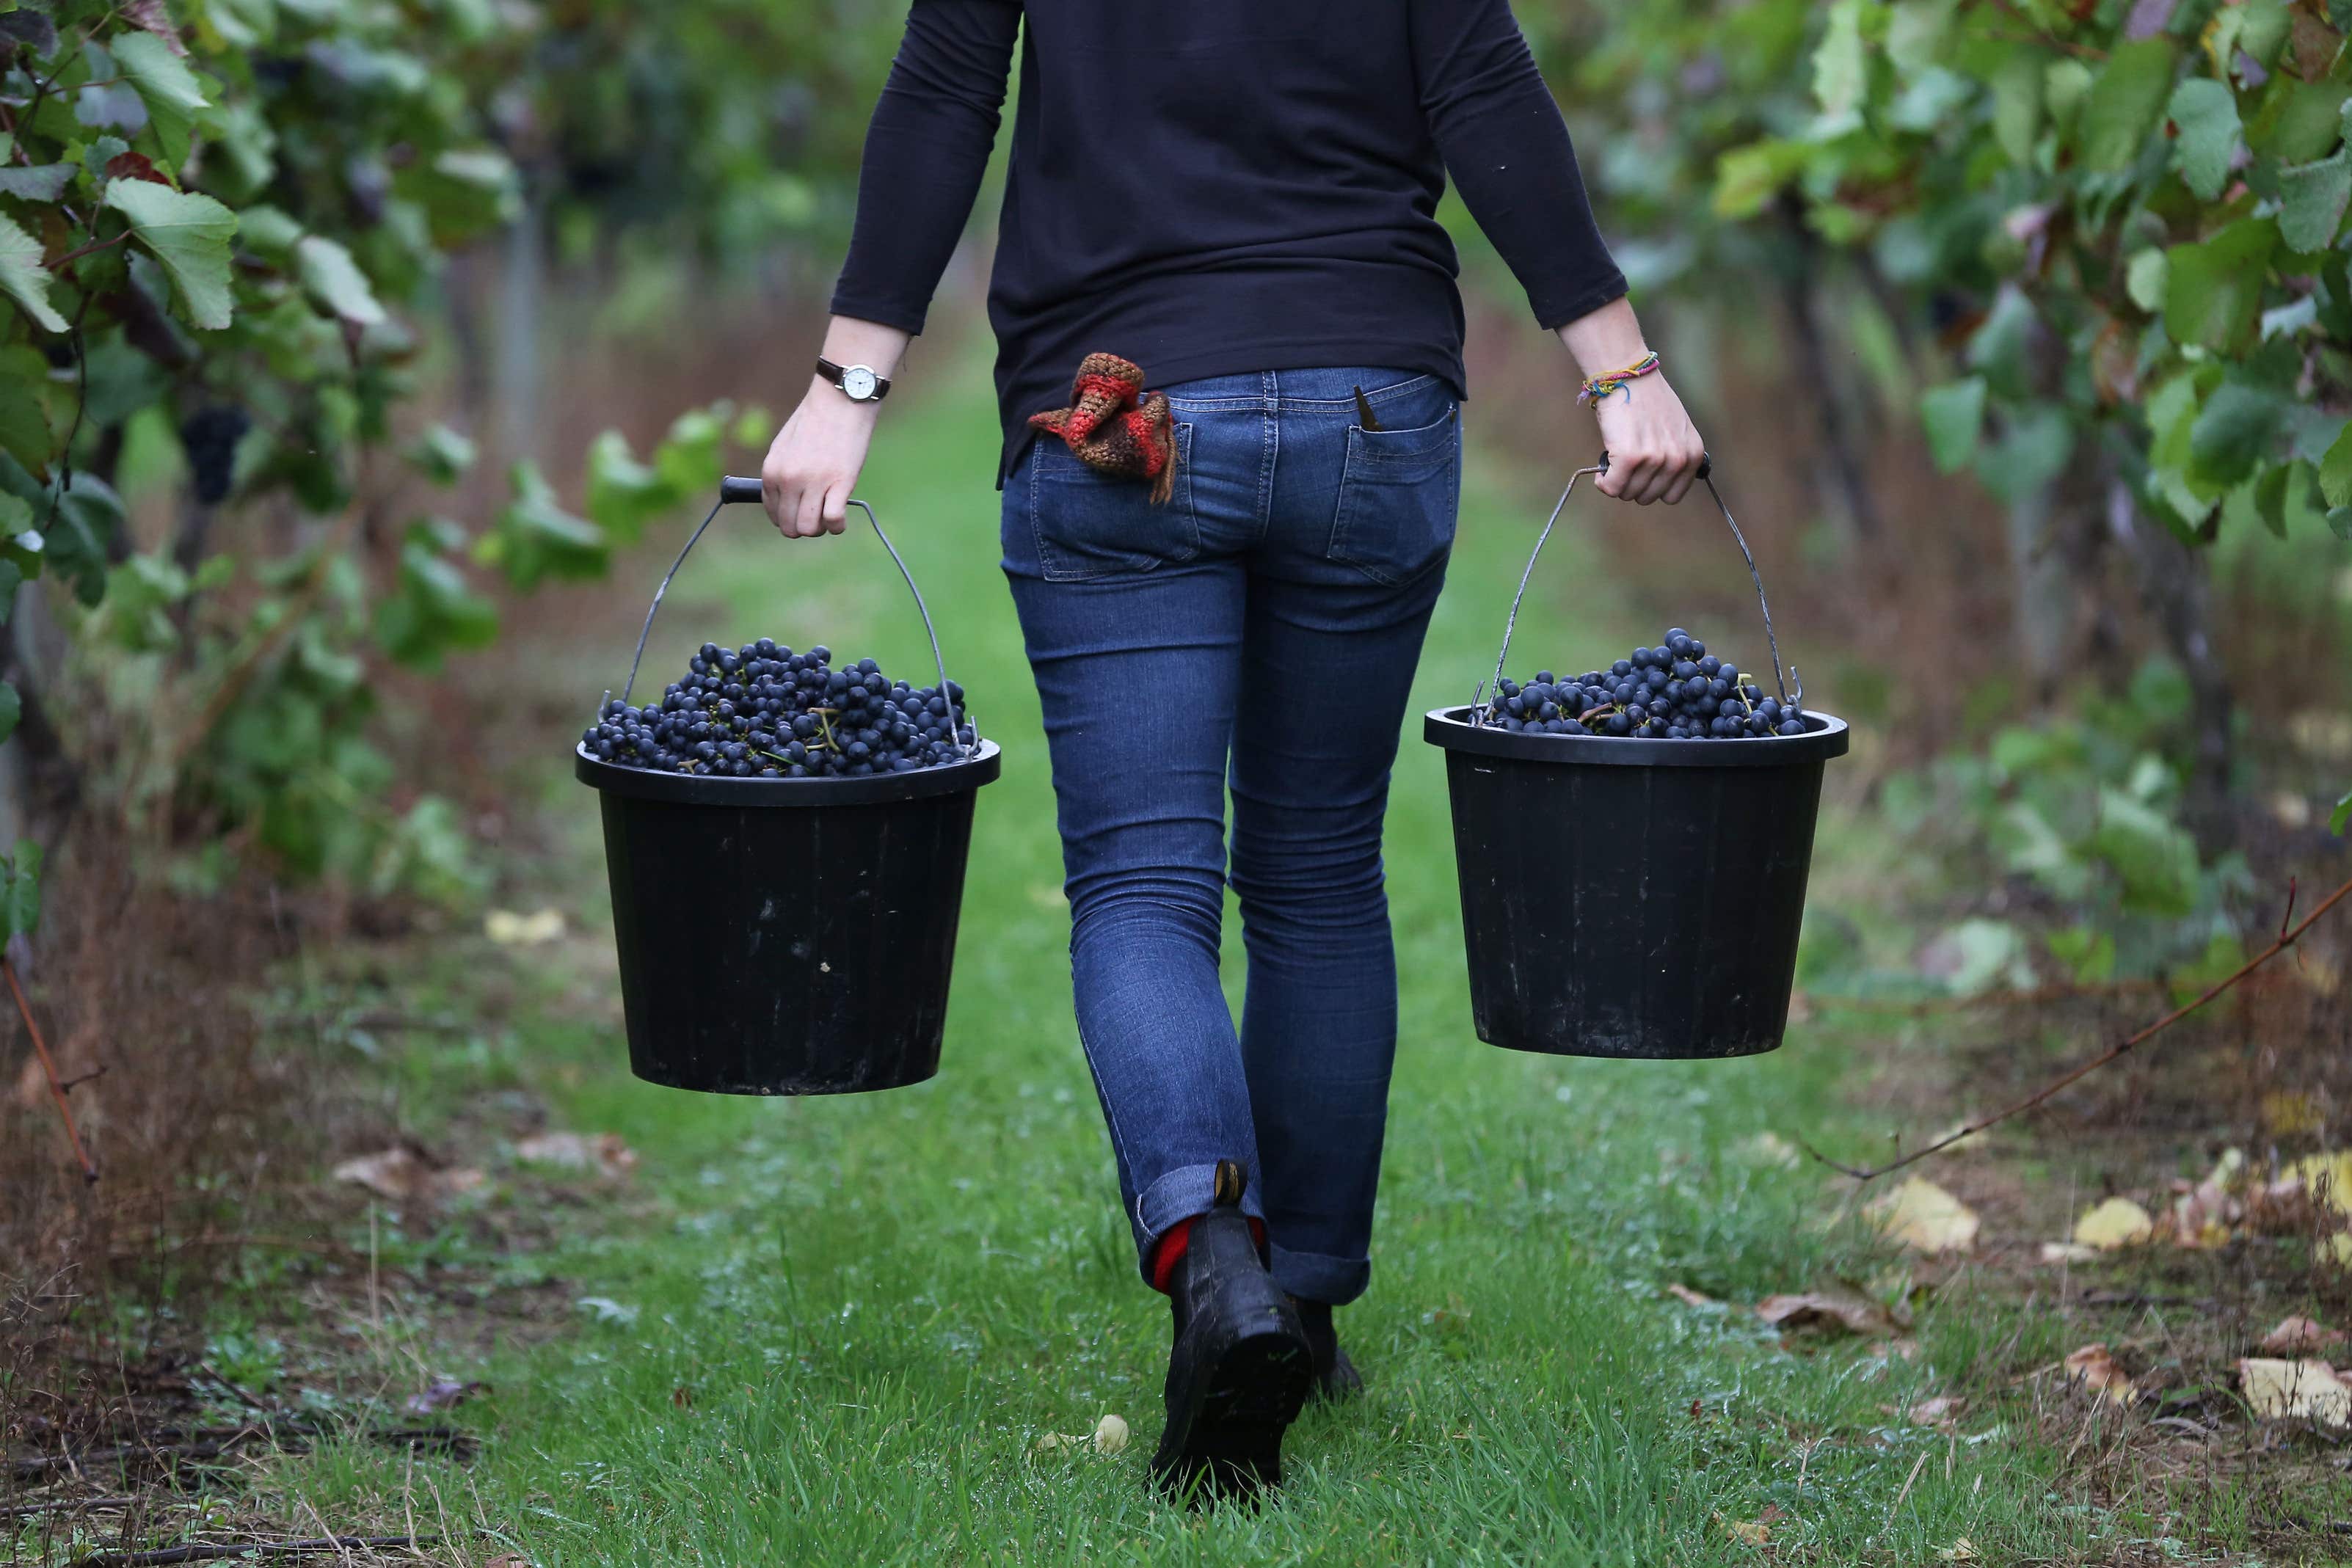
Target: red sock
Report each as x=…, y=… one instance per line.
x=1177, y=1240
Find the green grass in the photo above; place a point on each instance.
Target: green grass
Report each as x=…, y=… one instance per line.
x=843, y=1324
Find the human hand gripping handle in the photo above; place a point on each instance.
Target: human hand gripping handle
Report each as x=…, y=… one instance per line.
x=814, y=461
x=1656, y=450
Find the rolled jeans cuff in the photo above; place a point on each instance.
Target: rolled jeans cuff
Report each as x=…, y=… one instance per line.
x=1319, y=1277
x=1180, y=1195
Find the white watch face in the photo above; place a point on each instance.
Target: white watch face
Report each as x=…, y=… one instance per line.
x=858, y=383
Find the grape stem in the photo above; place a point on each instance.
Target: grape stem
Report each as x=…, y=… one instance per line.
x=2287, y=938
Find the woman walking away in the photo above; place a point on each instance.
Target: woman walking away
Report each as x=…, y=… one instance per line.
x=1224, y=582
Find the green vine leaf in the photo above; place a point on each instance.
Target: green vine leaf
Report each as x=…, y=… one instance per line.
x=2312, y=198
x=2125, y=99
x=1954, y=417
x=20, y=888
x=189, y=234
x=24, y=278
x=335, y=281
x=2205, y=113
x=535, y=539
x=2341, y=817
x=1841, y=71
x=2214, y=291
x=41, y=182
x=2336, y=469
x=166, y=85
x=25, y=430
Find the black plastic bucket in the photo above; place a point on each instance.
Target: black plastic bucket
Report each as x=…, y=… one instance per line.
x=786, y=936
x=1627, y=897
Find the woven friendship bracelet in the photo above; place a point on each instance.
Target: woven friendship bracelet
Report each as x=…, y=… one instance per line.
x=1599, y=388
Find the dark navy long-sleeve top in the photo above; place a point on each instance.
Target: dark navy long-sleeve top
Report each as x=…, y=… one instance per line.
x=1210, y=187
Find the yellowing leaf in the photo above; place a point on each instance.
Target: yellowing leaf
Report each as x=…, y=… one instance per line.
x=2068, y=1252
x=1926, y=1218
x=2329, y=1178
x=2279, y=1390
x=1110, y=1434
x=2290, y=1114
x=1961, y=1550
x=2118, y=1222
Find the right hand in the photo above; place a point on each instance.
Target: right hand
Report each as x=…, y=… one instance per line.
x=814, y=461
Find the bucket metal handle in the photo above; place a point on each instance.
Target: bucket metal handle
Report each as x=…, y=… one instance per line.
x=1706, y=477
x=736, y=488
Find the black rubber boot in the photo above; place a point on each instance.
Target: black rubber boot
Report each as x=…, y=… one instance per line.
x=1239, y=1367
x=1336, y=1377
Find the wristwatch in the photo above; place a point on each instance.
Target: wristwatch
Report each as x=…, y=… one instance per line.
x=858, y=384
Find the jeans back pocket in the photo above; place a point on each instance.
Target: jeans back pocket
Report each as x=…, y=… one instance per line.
x=1089, y=524
x=1398, y=496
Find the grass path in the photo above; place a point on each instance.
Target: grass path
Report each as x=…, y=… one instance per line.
x=834, y=1330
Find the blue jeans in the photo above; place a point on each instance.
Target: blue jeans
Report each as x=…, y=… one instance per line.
x=1260, y=628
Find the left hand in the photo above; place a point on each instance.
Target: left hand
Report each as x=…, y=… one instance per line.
x=1653, y=449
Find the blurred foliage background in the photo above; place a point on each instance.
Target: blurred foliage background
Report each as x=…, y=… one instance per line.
x=343, y=336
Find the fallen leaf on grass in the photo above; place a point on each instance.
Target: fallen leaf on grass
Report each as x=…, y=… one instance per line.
x=1756, y=1531
x=682, y=1396
x=2327, y=1178
x=1110, y=1434
x=1961, y=1550
x=401, y=1175
x=1848, y=1311
x=2295, y=1391
x=2202, y=1214
x=508, y=1560
x=444, y=1393
x=2096, y=1370
x=2299, y=1336
x=1940, y=1411
x=509, y=929
x=605, y=1153
x=2068, y=1252
x=1926, y=1219
x=1691, y=1297
x=2290, y=1114
x=2118, y=1222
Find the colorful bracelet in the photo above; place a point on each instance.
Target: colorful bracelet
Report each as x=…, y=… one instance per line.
x=1599, y=387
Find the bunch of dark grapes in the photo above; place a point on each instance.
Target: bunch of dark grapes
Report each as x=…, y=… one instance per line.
x=210, y=436
x=1675, y=691
x=762, y=711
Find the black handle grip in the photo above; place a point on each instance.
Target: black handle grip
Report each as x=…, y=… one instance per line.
x=736, y=488
x=1706, y=465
